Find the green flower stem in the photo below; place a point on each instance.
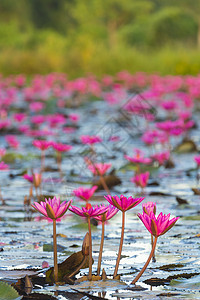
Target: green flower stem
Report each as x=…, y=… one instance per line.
x=147, y=262
x=101, y=248
x=55, y=252
x=120, y=245
x=90, y=249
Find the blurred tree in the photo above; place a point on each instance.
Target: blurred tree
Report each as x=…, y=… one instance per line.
x=164, y=26
x=17, y=11
x=191, y=7
x=172, y=24
x=52, y=14
x=105, y=18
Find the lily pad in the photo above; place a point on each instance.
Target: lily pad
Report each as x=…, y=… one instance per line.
x=7, y=292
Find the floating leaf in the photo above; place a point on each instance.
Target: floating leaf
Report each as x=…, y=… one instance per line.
x=111, y=180
x=186, y=146
x=38, y=296
x=16, y=274
x=162, y=281
x=169, y=164
x=49, y=248
x=158, y=194
x=61, y=235
x=7, y=292
x=196, y=191
x=181, y=200
x=171, y=267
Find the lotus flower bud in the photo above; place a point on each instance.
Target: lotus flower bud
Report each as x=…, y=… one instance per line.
x=37, y=179
x=50, y=212
x=85, y=246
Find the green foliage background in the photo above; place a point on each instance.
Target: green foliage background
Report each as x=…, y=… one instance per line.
x=80, y=37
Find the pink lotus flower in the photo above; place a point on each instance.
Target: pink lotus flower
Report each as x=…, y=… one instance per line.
x=90, y=139
x=37, y=179
x=2, y=152
x=88, y=211
x=99, y=168
x=39, y=133
x=52, y=209
x=185, y=115
x=123, y=203
x=139, y=158
x=3, y=166
x=114, y=138
x=154, y=136
x=85, y=193
x=68, y=129
x=12, y=141
x=5, y=124
x=45, y=264
x=111, y=212
x=149, y=207
x=28, y=177
x=61, y=147
x=141, y=179
x=24, y=128
x=41, y=144
x=157, y=226
x=56, y=119
x=161, y=157
x=197, y=159
x=74, y=117
x=166, y=126
x=36, y=106
x=20, y=117
x=169, y=105
x=38, y=119
x=20, y=80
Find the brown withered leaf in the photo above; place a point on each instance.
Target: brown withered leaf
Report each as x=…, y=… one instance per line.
x=186, y=146
x=111, y=180
x=169, y=164
x=38, y=296
x=67, y=267
x=196, y=191
x=168, y=294
x=158, y=194
x=85, y=278
x=181, y=200
x=43, y=197
x=162, y=281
